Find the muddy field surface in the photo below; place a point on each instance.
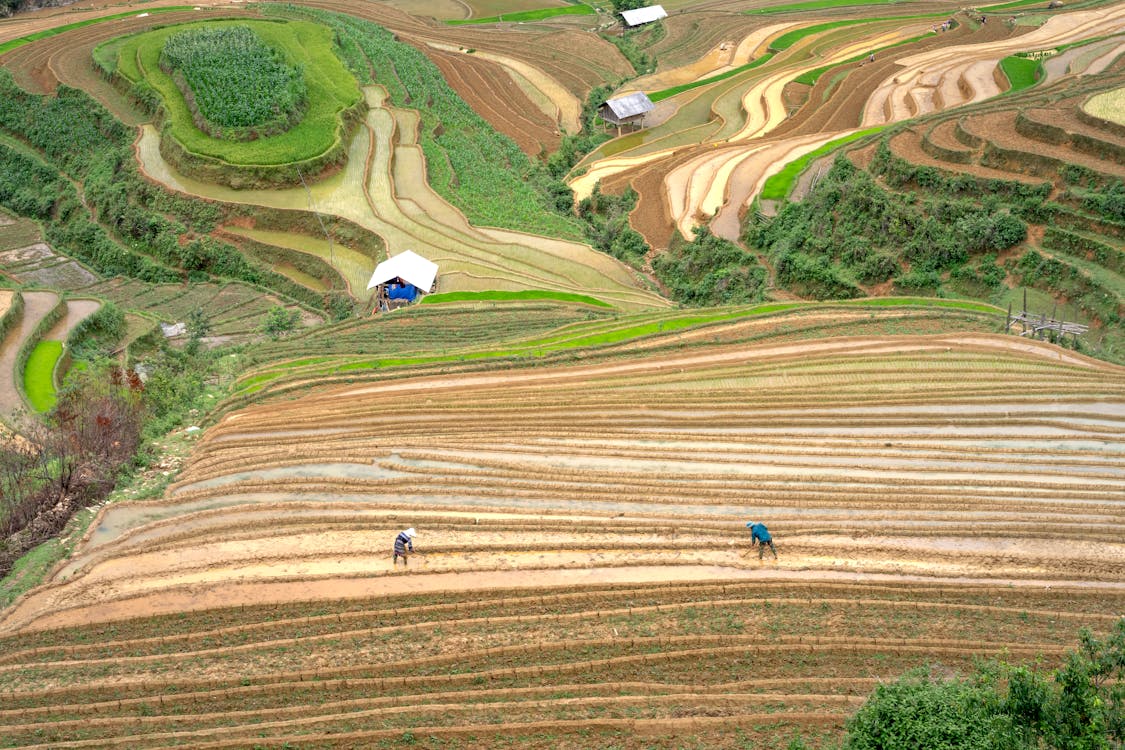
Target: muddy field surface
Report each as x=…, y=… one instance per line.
x=678, y=448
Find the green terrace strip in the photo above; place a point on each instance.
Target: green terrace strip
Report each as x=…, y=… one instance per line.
x=332, y=90
x=787, y=40
x=11, y=44
x=529, y=15
x=810, y=77
x=779, y=186
x=39, y=377
x=665, y=93
x=1021, y=72
x=499, y=296
x=597, y=333
x=819, y=5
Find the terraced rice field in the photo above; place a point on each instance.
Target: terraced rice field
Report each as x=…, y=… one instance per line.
x=235, y=311
x=401, y=208
x=1108, y=106
x=708, y=151
x=583, y=551
x=36, y=306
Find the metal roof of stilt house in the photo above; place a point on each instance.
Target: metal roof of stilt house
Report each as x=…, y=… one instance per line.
x=644, y=15
x=632, y=105
x=408, y=266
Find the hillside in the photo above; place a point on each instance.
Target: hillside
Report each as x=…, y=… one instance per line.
x=855, y=276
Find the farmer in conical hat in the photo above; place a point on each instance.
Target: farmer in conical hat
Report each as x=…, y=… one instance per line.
x=404, y=542
x=760, y=536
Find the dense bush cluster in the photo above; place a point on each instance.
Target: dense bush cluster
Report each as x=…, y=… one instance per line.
x=850, y=231
x=710, y=271
x=239, y=85
x=607, y=225
x=1081, y=706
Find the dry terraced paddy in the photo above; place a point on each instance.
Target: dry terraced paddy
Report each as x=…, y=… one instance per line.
x=584, y=551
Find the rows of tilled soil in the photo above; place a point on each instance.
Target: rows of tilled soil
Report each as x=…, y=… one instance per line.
x=547, y=668
x=1033, y=138
x=928, y=458
x=498, y=99
x=233, y=309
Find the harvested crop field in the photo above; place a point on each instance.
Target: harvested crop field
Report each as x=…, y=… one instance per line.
x=582, y=546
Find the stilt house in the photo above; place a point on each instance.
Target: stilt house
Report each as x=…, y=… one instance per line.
x=626, y=110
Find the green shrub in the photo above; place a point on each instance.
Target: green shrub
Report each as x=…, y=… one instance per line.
x=1004, y=706
x=710, y=271
x=279, y=321
x=607, y=225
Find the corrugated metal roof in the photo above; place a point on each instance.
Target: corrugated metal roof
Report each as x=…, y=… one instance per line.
x=647, y=14
x=633, y=104
x=408, y=266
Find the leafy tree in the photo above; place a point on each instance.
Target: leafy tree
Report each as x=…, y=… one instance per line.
x=279, y=321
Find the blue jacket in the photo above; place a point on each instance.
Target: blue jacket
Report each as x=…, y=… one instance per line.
x=759, y=533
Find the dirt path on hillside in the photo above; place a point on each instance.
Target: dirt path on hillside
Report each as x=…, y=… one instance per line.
x=77, y=310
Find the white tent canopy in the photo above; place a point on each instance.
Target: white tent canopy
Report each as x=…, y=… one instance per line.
x=644, y=15
x=408, y=266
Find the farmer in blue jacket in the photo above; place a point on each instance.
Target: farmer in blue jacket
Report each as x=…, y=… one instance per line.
x=760, y=536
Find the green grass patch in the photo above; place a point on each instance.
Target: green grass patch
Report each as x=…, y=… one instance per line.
x=665, y=93
x=787, y=40
x=307, y=46
x=781, y=184
x=1021, y=72
x=39, y=375
x=11, y=44
x=529, y=15
x=502, y=296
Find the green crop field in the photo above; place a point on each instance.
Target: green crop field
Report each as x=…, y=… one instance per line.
x=236, y=80
x=1021, y=72
x=331, y=91
x=39, y=376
